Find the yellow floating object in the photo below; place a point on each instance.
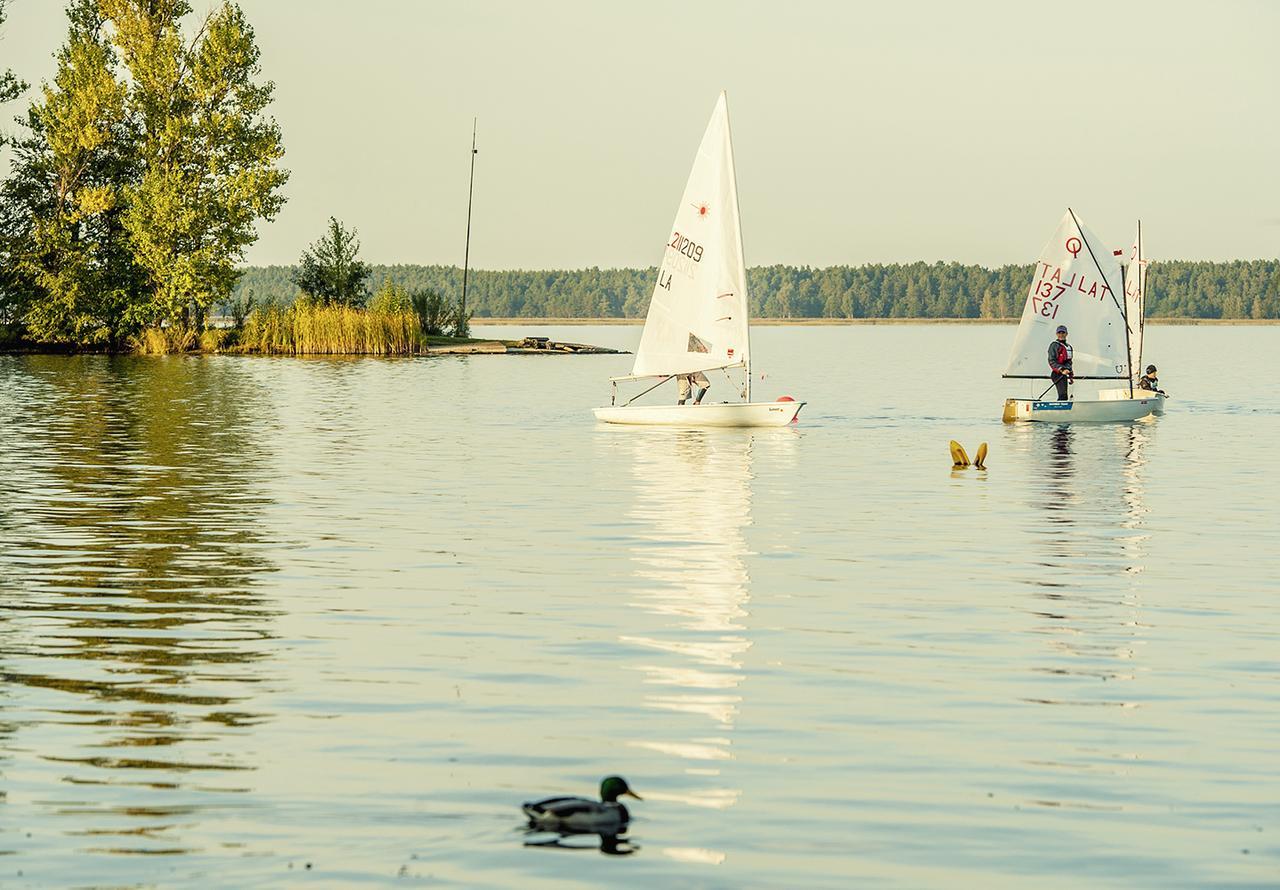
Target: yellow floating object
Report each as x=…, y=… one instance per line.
x=959, y=460
x=1010, y=410
x=982, y=456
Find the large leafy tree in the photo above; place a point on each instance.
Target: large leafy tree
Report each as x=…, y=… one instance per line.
x=209, y=155
x=142, y=173
x=70, y=273
x=331, y=270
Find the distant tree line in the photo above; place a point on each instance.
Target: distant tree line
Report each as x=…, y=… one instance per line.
x=1176, y=289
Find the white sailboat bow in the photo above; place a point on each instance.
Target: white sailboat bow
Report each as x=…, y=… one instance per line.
x=1079, y=283
x=698, y=319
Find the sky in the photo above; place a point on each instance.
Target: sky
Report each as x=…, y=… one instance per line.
x=863, y=132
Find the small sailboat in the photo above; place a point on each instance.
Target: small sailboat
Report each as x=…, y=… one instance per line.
x=698, y=320
x=1080, y=284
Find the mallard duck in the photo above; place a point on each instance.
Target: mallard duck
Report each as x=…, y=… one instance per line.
x=581, y=813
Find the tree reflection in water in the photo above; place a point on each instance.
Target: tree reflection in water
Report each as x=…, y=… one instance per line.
x=133, y=640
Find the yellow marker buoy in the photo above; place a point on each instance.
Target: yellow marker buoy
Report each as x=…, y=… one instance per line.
x=982, y=456
x=959, y=460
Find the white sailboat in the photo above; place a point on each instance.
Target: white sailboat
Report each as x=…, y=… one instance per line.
x=698, y=320
x=1080, y=284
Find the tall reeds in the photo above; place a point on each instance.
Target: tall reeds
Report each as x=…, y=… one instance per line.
x=309, y=328
x=164, y=341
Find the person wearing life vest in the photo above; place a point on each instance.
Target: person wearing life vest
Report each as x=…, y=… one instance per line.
x=1149, y=381
x=1060, y=362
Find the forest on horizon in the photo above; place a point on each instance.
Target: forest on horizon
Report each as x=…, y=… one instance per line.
x=1243, y=289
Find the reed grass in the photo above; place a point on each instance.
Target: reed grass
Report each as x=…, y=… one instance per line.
x=308, y=328
x=164, y=341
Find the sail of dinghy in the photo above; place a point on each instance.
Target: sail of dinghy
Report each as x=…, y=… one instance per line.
x=698, y=318
x=1078, y=283
x=1135, y=301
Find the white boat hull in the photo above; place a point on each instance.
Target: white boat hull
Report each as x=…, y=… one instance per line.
x=730, y=414
x=1114, y=406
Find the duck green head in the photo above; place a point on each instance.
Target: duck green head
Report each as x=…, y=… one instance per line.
x=614, y=787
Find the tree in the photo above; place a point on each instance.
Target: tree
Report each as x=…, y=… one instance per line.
x=209, y=157
x=144, y=168
x=70, y=272
x=331, y=271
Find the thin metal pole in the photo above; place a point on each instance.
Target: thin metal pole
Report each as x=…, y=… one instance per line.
x=466, y=254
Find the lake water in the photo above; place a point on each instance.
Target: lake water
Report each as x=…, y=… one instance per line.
x=292, y=622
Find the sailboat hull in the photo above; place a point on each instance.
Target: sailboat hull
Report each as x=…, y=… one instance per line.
x=734, y=414
x=1103, y=410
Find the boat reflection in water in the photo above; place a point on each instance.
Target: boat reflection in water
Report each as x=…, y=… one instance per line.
x=1090, y=546
x=134, y=640
x=693, y=503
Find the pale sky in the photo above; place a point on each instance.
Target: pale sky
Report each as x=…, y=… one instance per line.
x=885, y=132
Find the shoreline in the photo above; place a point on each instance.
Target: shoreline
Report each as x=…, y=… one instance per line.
x=819, y=322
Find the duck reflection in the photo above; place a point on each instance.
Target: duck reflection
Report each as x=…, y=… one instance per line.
x=129, y=509
x=693, y=499
x=608, y=844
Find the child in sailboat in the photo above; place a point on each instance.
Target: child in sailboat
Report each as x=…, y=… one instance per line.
x=688, y=381
x=1149, y=381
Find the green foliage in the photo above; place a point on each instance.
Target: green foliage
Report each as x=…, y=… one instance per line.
x=433, y=311
x=141, y=174
x=331, y=271
x=461, y=322
x=239, y=307
x=69, y=269
x=1176, y=288
x=391, y=297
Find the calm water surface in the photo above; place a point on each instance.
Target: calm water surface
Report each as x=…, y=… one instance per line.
x=278, y=622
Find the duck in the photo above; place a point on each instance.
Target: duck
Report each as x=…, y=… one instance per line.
x=572, y=814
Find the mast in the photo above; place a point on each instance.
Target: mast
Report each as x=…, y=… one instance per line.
x=466, y=253
x=733, y=171
x=1142, y=308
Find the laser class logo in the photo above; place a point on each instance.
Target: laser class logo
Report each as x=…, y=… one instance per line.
x=1074, y=246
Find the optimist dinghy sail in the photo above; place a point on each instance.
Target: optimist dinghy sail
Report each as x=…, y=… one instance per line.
x=1076, y=283
x=698, y=319
x=1079, y=283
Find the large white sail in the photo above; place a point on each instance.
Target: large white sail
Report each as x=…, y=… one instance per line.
x=1078, y=283
x=1135, y=300
x=698, y=314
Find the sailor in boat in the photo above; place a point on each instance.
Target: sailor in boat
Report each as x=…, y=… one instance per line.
x=1149, y=381
x=1060, y=362
x=688, y=382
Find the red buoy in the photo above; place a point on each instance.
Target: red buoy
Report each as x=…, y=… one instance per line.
x=785, y=399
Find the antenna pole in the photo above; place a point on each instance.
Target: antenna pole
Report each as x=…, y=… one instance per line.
x=466, y=254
